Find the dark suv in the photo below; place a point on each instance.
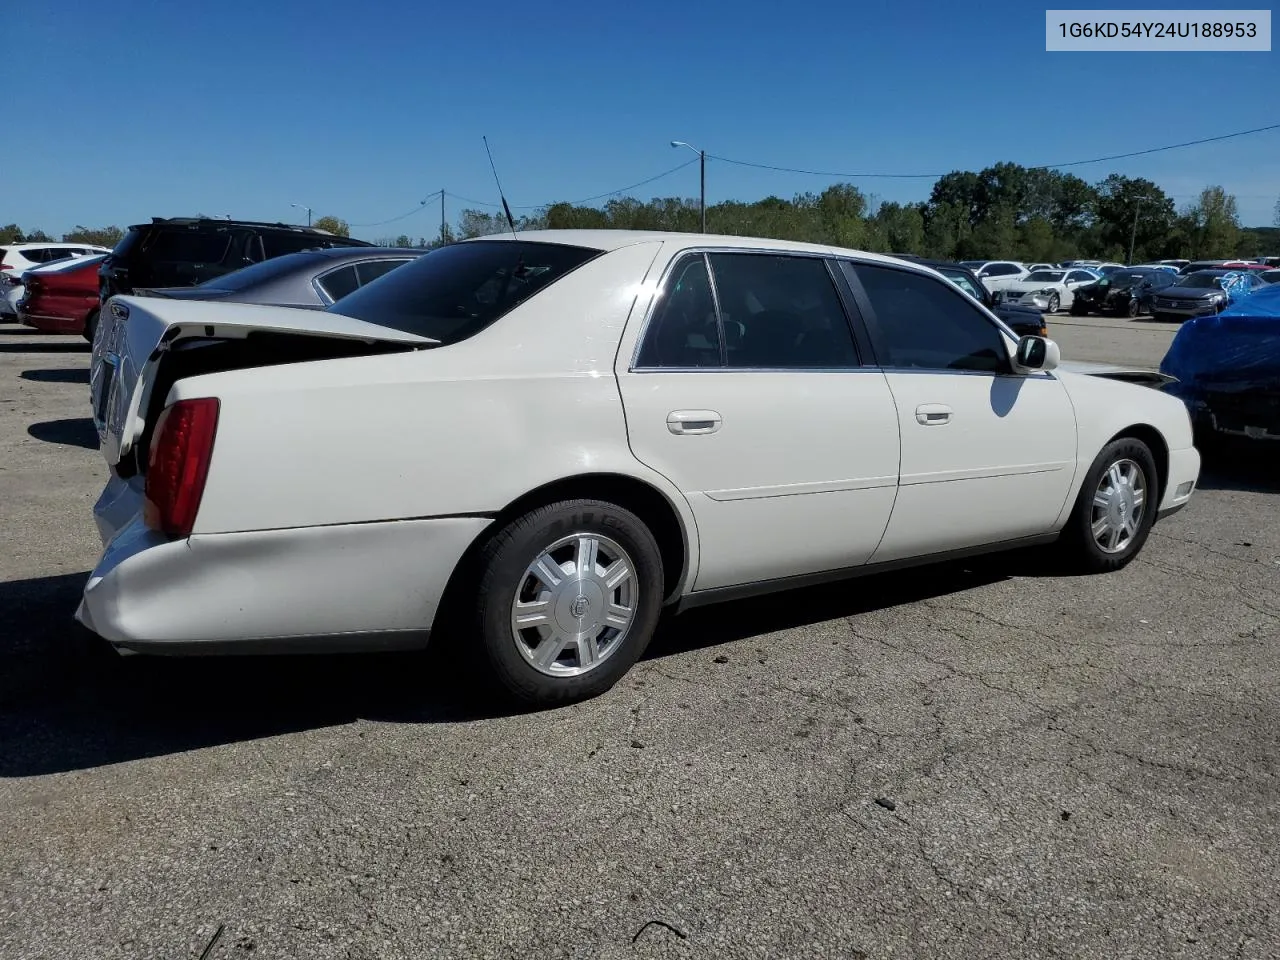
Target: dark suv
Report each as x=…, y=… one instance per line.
x=181, y=252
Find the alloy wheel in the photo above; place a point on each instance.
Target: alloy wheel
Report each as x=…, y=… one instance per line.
x=574, y=605
x=1118, y=505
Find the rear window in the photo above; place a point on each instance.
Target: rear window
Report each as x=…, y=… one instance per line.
x=458, y=290
x=261, y=273
x=189, y=246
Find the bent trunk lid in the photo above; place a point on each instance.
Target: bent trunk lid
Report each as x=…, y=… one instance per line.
x=135, y=333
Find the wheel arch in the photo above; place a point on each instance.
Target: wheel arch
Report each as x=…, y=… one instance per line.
x=1159, y=448
x=675, y=533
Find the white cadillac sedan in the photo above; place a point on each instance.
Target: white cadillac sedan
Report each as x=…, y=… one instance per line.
x=530, y=446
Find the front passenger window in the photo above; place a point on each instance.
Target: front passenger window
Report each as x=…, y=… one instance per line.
x=923, y=323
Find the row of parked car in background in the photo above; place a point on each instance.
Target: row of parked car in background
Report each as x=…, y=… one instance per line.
x=61, y=287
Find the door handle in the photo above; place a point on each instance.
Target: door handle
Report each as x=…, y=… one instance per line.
x=693, y=422
x=933, y=414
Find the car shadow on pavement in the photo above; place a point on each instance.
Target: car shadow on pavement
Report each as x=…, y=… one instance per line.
x=67, y=702
x=19, y=345
x=58, y=375
x=74, y=432
x=1252, y=468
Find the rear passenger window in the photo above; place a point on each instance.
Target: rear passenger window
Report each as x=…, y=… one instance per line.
x=781, y=312
x=189, y=246
x=925, y=323
x=683, y=331
x=278, y=244
x=338, y=283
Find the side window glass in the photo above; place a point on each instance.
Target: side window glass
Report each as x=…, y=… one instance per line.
x=781, y=312
x=338, y=283
x=683, y=331
x=924, y=323
x=371, y=271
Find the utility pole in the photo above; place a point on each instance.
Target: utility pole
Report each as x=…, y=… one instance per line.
x=702, y=192
x=443, y=234
x=1133, y=236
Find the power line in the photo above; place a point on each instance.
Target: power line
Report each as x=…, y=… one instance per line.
x=1043, y=166
x=598, y=196
x=421, y=204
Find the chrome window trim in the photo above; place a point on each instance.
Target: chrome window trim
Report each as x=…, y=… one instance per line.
x=705, y=253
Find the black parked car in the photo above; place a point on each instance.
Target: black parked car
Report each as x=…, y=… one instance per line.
x=1126, y=292
x=1025, y=321
x=1200, y=293
x=181, y=252
x=312, y=279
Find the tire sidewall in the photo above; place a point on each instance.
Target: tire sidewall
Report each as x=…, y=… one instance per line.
x=1055, y=303
x=91, y=325
x=516, y=547
x=1126, y=448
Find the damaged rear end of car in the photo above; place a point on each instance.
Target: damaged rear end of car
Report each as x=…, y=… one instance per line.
x=159, y=447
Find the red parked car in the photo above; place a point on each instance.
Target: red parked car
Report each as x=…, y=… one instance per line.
x=62, y=297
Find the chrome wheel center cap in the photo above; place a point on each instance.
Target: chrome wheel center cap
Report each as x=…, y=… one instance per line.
x=579, y=607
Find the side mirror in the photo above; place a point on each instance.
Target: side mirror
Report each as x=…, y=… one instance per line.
x=1036, y=354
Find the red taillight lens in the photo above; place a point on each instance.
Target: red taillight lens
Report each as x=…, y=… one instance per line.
x=179, y=464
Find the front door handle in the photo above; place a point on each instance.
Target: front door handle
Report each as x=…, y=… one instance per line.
x=693, y=422
x=933, y=414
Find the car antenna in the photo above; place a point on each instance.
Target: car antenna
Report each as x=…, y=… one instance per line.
x=511, y=222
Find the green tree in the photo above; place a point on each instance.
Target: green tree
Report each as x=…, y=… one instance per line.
x=333, y=225
x=12, y=233
x=1213, y=224
x=900, y=228
x=38, y=236
x=1125, y=201
x=100, y=236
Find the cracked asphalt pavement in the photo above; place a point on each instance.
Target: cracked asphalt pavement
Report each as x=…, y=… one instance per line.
x=971, y=760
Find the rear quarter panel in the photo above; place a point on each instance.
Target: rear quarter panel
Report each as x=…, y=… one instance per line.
x=463, y=429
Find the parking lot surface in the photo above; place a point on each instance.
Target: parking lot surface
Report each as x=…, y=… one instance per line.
x=970, y=760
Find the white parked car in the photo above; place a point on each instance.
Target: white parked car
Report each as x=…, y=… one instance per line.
x=1042, y=266
x=997, y=274
x=530, y=446
x=17, y=258
x=1053, y=286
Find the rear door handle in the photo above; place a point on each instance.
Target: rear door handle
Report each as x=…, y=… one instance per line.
x=933, y=414
x=693, y=422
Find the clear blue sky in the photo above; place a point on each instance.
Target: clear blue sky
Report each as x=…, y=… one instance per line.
x=124, y=110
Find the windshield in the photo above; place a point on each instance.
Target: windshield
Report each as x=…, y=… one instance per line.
x=459, y=290
x=1046, y=276
x=1201, y=281
x=263, y=272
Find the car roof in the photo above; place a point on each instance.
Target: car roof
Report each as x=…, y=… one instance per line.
x=59, y=244
x=609, y=240
x=364, y=253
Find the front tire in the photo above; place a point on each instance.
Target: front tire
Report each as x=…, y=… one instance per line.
x=1055, y=302
x=90, y=325
x=1134, y=308
x=568, y=598
x=1115, y=508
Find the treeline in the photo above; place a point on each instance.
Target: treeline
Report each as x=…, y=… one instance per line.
x=1004, y=211
x=100, y=236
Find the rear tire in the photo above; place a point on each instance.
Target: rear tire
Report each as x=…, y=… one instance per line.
x=1078, y=309
x=568, y=598
x=90, y=326
x=1103, y=534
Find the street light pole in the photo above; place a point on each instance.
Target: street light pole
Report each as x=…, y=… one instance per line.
x=303, y=206
x=702, y=171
